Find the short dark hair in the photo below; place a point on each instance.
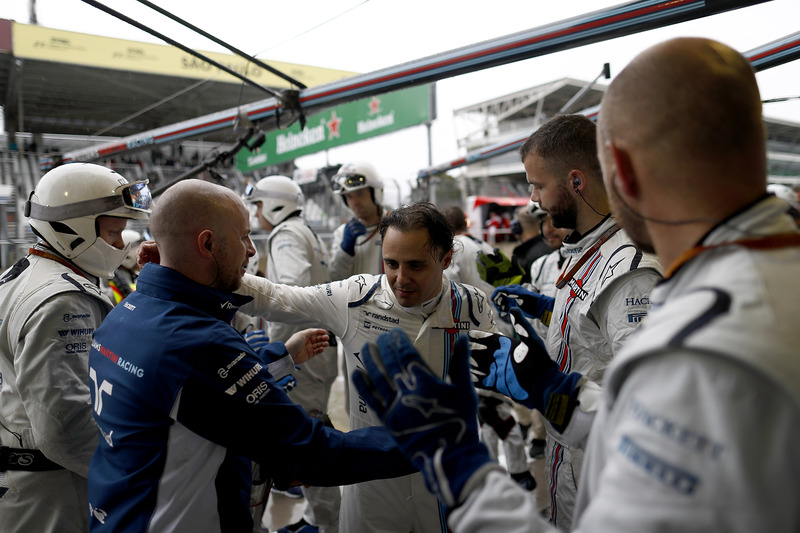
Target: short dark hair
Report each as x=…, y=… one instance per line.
x=456, y=217
x=565, y=142
x=421, y=215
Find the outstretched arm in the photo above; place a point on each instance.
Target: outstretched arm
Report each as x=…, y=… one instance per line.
x=434, y=422
x=307, y=343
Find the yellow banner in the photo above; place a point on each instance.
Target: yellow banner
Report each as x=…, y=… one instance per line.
x=47, y=44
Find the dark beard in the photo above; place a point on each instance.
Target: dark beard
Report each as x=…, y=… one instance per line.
x=566, y=217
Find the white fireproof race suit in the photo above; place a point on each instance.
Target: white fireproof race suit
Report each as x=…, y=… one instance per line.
x=463, y=268
x=367, y=258
x=544, y=273
x=700, y=417
x=605, y=296
x=297, y=257
x=48, y=313
x=357, y=310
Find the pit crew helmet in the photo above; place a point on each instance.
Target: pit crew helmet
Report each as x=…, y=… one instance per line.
x=355, y=176
x=280, y=197
x=783, y=192
x=131, y=238
x=533, y=209
x=64, y=207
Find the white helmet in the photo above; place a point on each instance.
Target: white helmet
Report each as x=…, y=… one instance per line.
x=252, y=265
x=131, y=238
x=783, y=192
x=358, y=175
x=533, y=209
x=63, y=211
x=280, y=197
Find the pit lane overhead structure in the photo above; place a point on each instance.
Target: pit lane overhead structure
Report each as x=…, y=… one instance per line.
x=617, y=21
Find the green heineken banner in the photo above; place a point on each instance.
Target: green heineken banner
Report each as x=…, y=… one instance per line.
x=343, y=124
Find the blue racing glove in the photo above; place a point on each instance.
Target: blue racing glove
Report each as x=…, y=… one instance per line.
x=274, y=354
x=522, y=370
x=352, y=230
x=532, y=304
x=287, y=382
x=497, y=269
x=256, y=339
x=434, y=422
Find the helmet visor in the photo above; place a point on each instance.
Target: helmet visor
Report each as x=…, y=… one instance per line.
x=137, y=196
x=251, y=194
x=134, y=196
x=349, y=182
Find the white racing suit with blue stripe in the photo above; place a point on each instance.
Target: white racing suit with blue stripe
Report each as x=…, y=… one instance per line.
x=183, y=404
x=48, y=313
x=700, y=417
x=357, y=310
x=595, y=311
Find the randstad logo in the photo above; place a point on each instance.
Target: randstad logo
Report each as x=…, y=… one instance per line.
x=68, y=317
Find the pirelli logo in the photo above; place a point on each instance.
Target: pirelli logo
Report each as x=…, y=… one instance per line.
x=634, y=318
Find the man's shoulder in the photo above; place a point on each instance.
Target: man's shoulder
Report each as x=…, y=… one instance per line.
x=623, y=256
x=472, y=300
x=477, y=244
x=47, y=279
x=290, y=231
x=292, y=224
x=360, y=283
x=718, y=319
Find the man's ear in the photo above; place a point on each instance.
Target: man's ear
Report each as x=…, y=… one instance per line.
x=625, y=175
x=447, y=259
x=204, y=243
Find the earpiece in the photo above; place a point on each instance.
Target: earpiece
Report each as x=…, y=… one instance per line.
x=576, y=182
x=208, y=246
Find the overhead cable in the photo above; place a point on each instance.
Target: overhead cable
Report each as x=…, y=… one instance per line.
x=223, y=43
x=309, y=30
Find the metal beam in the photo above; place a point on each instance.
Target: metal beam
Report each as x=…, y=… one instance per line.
x=767, y=56
x=617, y=21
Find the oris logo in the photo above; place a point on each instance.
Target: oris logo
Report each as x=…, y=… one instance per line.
x=259, y=392
x=77, y=347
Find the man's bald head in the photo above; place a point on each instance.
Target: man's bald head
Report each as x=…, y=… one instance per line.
x=689, y=107
x=186, y=210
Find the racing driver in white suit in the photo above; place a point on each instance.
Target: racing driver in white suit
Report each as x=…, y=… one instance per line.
x=413, y=295
x=50, y=305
